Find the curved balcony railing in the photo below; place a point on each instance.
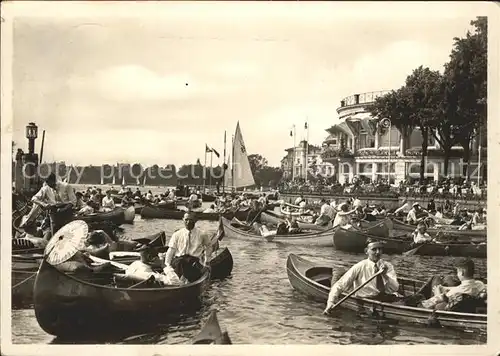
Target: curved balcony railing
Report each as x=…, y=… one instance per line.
x=336, y=153
x=362, y=98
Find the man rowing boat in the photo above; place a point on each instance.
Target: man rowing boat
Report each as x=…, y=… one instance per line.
x=383, y=288
x=186, y=248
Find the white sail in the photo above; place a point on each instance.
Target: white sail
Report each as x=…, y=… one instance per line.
x=68, y=175
x=144, y=181
x=241, y=172
x=123, y=180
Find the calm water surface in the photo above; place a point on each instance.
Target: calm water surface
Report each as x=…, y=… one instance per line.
x=257, y=304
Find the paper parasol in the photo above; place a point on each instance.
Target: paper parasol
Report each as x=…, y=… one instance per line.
x=66, y=242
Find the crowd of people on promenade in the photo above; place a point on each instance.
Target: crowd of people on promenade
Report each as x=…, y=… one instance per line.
x=444, y=187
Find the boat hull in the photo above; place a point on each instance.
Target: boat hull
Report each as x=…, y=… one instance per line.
x=116, y=216
x=129, y=215
x=305, y=277
x=321, y=238
x=443, y=232
x=66, y=306
x=149, y=212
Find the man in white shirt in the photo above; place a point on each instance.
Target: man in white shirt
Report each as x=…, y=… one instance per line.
x=326, y=213
x=59, y=198
x=383, y=288
x=189, y=249
x=412, y=217
x=468, y=286
x=108, y=204
x=193, y=201
x=420, y=235
x=171, y=195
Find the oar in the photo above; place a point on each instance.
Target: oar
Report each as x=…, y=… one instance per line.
x=412, y=251
x=101, y=260
x=256, y=216
x=327, y=311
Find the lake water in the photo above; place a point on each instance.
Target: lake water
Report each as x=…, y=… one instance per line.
x=257, y=304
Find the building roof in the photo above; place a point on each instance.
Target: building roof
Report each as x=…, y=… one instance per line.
x=342, y=127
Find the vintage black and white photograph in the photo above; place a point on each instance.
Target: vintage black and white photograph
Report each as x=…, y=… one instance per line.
x=222, y=173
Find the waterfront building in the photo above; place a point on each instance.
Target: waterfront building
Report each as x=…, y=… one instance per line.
x=358, y=147
x=294, y=166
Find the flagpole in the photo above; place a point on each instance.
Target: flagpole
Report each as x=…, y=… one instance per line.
x=210, y=177
x=307, y=151
x=224, y=162
x=294, y=155
x=232, y=162
x=204, y=167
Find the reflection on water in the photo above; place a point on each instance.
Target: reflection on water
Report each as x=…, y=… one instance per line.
x=257, y=305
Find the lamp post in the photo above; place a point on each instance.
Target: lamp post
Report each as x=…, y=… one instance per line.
x=387, y=124
x=30, y=159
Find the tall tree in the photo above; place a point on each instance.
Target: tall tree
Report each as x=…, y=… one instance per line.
x=424, y=97
x=257, y=162
x=465, y=81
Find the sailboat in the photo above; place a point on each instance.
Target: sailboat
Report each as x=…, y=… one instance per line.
x=239, y=174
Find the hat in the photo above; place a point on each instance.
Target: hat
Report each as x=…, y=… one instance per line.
x=374, y=244
x=415, y=204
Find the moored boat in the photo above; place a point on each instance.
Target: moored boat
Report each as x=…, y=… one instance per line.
x=67, y=305
x=24, y=269
x=116, y=216
x=443, y=231
x=313, y=280
x=150, y=212
x=211, y=333
x=355, y=240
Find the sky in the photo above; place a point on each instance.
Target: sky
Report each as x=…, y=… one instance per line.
x=155, y=90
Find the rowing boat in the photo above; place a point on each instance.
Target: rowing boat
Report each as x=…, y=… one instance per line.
x=116, y=216
x=68, y=305
x=442, y=232
x=270, y=217
x=313, y=280
x=211, y=333
x=150, y=212
x=355, y=240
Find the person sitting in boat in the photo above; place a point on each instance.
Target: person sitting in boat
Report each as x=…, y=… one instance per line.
x=108, y=204
x=253, y=215
x=144, y=269
x=123, y=190
x=210, y=210
x=98, y=244
x=57, y=197
x=420, y=235
x=302, y=207
x=171, y=195
x=446, y=298
x=299, y=199
x=414, y=214
x=292, y=226
x=189, y=249
x=439, y=212
x=84, y=208
x=326, y=213
x=193, y=201
x=431, y=206
x=343, y=217
x=127, y=200
x=383, y=288
x=263, y=200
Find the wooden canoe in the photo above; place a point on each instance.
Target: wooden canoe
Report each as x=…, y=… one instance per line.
x=355, y=240
x=66, y=305
x=211, y=333
x=116, y=216
x=399, y=225
x=270, y=217
x=150, y=212
x=313, y=280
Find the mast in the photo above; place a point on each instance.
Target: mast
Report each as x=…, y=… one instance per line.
x=232, y=162
x=223, y=169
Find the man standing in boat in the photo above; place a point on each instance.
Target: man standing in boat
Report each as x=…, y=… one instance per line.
x=383, y=288
x=57, y=197
x=189, y=249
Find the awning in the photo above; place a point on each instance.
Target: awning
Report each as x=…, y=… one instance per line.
x=360, y=116
x=342, y=128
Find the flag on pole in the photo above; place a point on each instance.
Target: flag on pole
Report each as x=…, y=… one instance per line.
x=216, y=153
x=291, y=133
x=207, y=149
x=305, y=125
